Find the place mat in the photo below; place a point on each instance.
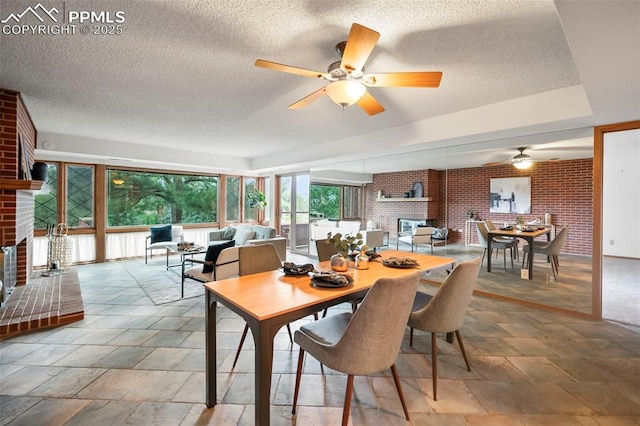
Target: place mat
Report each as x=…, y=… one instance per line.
x=400, y=262
x=331, y=280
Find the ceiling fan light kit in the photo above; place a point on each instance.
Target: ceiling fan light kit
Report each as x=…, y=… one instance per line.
x=345, y=92
x=348, y=81
x=522, y=164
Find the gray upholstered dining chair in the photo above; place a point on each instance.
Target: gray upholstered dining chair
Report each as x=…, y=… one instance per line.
x=492, y=227
x=550, y=248
x=325, y=251
x=254, y=259
x=364, y=342
x=483, y=237
x=445, y=311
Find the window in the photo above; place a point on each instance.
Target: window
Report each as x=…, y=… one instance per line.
x=148, y=198
x=250, y=185
x=324, y=202
x=233, y=199
x=46, y=201
x=352, y=202
x=79, y=201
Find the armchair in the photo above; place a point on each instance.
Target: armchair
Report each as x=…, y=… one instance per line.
x=165, y=237
x=419, y=235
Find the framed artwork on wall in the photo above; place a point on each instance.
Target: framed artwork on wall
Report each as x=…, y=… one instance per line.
x=510, y=195
x=417, y=189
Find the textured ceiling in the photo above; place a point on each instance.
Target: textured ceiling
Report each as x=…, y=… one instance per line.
x=178, y=88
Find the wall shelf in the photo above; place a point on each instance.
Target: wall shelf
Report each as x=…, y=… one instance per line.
x=423, y=199
x=20, y=184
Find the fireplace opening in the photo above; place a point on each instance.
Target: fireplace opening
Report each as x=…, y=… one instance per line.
x=8, y=272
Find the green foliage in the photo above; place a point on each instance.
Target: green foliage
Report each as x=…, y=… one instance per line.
x=325, y=199
x=345, y=244
x=256, y=199
x=145, y=198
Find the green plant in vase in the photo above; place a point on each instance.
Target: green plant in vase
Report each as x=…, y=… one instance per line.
x=345, y=245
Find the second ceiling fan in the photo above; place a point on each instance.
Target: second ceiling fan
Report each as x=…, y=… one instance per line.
x=348, y=81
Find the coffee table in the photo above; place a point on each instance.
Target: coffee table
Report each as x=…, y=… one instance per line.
x=185, y=253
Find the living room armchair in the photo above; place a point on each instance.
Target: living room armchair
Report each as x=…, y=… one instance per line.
x=164, y=237
x=419, y=235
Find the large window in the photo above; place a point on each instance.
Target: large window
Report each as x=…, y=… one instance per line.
x=147, y=198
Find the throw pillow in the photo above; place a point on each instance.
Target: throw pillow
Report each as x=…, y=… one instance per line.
x=160, y=233
x=228, y=232
x=213, y=251
x=242, y=237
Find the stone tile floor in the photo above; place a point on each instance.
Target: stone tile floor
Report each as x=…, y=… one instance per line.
x=132, y=362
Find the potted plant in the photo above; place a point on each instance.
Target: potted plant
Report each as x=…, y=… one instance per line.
x=471, y=213
x=344, y=244
x=256, y=200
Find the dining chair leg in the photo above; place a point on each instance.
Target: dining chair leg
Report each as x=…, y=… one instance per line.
x=298, y=376
x=511, y=257
x=315, y=316
x=464, y=354
x=434, y=365
x=396, y=380
x=347, y=400
x=483, y=253
x=290, y=335
x=504, y=259
x=411, y=336
x=244, y=335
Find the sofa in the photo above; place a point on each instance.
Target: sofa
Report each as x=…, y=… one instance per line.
x=246, y=234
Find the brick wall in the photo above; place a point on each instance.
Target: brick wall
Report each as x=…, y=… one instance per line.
x=563, y=188
x=16, y=221
x=395, y=185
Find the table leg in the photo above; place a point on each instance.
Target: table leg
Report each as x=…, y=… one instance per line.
x=530, y=242
x=263, y=341
x=489, y=251
x=210, y=350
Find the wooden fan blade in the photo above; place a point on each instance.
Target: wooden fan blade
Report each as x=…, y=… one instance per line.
x=289, y=69
x=404, y=79
x=494, y=163
x=360, y=44
x=370, y=105
x=308, y=99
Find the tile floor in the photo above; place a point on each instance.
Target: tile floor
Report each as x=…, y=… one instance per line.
x=132, y=362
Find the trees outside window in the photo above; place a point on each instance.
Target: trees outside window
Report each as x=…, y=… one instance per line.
x=79, y=201
x=148, y=198
x=46, y=201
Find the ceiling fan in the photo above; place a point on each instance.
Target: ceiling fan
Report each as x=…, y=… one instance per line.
x=348, y=81
x=519, y=161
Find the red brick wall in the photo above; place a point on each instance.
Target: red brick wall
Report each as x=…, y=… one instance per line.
x=16, y=219
x=564, y=189
x=395, y=185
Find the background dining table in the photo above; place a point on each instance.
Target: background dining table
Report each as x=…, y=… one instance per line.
x=526, y=235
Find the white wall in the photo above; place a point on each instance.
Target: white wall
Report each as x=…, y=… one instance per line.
x=621, y=194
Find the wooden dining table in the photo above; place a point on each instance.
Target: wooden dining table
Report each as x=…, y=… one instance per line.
x=528, y=236
x=269, y=300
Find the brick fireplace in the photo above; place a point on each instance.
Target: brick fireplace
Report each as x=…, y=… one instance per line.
x=16, y=192
x=36, y=301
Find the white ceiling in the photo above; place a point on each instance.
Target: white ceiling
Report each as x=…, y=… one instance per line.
x=178, y=89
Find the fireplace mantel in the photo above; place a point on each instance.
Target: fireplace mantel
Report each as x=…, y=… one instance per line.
x=21, y=184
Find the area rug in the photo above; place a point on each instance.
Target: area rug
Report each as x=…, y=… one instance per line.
x=162, y=285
